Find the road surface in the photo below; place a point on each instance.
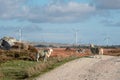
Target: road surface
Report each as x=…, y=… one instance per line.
x=106, y=68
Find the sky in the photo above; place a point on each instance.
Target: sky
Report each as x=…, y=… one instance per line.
x=94, y=21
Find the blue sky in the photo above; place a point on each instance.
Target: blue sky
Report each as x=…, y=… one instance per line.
x=57, y=20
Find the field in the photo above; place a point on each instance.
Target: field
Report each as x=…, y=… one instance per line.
x=17, y=66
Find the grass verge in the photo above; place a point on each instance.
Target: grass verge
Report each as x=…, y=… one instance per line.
x=20, y=69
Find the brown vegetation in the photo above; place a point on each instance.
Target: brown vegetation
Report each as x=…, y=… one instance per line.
x=29, y=54
x=16, y=54
x=62, y=52
x=58, y=55
x=18, y=45
x=112, y=52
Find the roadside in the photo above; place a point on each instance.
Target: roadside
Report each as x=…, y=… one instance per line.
x=88, y=68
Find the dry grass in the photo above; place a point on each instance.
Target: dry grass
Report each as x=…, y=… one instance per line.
x=7, y=55
x=21, y=65
x=1, y=75
x=19, y=69
x=42, y=67
x=112, y=52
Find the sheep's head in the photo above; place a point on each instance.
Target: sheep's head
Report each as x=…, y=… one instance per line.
x=91, y=45
x=50, y=49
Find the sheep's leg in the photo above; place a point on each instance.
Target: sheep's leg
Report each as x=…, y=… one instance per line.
x=37, y=57
x=95, y=56
x=45, y=58
x=101, y=53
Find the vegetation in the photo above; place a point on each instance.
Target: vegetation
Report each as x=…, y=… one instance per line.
x=15, y=65
x=20, y=69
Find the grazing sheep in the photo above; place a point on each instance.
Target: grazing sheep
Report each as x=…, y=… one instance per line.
x=45, y=53
x=96, y=50
x=80, y=50
x=68, y=49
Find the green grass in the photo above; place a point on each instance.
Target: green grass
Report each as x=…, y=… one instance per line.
x=20, y=69
x=14, y=70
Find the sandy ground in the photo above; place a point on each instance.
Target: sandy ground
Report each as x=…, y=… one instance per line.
x=107, y=68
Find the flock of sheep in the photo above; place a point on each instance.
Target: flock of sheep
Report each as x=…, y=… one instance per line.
x=6, y=43
x=45, y=53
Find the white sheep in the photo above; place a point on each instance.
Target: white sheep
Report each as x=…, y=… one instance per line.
x=45, y=53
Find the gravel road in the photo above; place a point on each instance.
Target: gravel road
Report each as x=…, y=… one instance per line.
x=106, y=68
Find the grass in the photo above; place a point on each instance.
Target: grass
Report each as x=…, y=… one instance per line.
x=15, y=70
x=51, y=64
x=20, y=69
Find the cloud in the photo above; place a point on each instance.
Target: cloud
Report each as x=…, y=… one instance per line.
x=110, y=23
x=69, y=12
x=31, y=28
x=57, y=11
x=107, y=4
x=117, y=24
x=11, y=9
x=26, y=29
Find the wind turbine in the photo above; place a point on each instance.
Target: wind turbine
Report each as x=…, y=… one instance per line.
x=20, y=35
x=76, y=36
x=107, y=38
x=20, y=38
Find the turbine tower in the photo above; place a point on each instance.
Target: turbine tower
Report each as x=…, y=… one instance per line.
x=20, y=39
x=107, y=38
x=20, y=35
x=76, y=36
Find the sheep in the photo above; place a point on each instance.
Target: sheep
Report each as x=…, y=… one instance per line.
x=96, y=51
x=45, y=53
x=80, y=50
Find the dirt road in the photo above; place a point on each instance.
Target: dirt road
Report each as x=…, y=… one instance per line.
x=107, y=68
